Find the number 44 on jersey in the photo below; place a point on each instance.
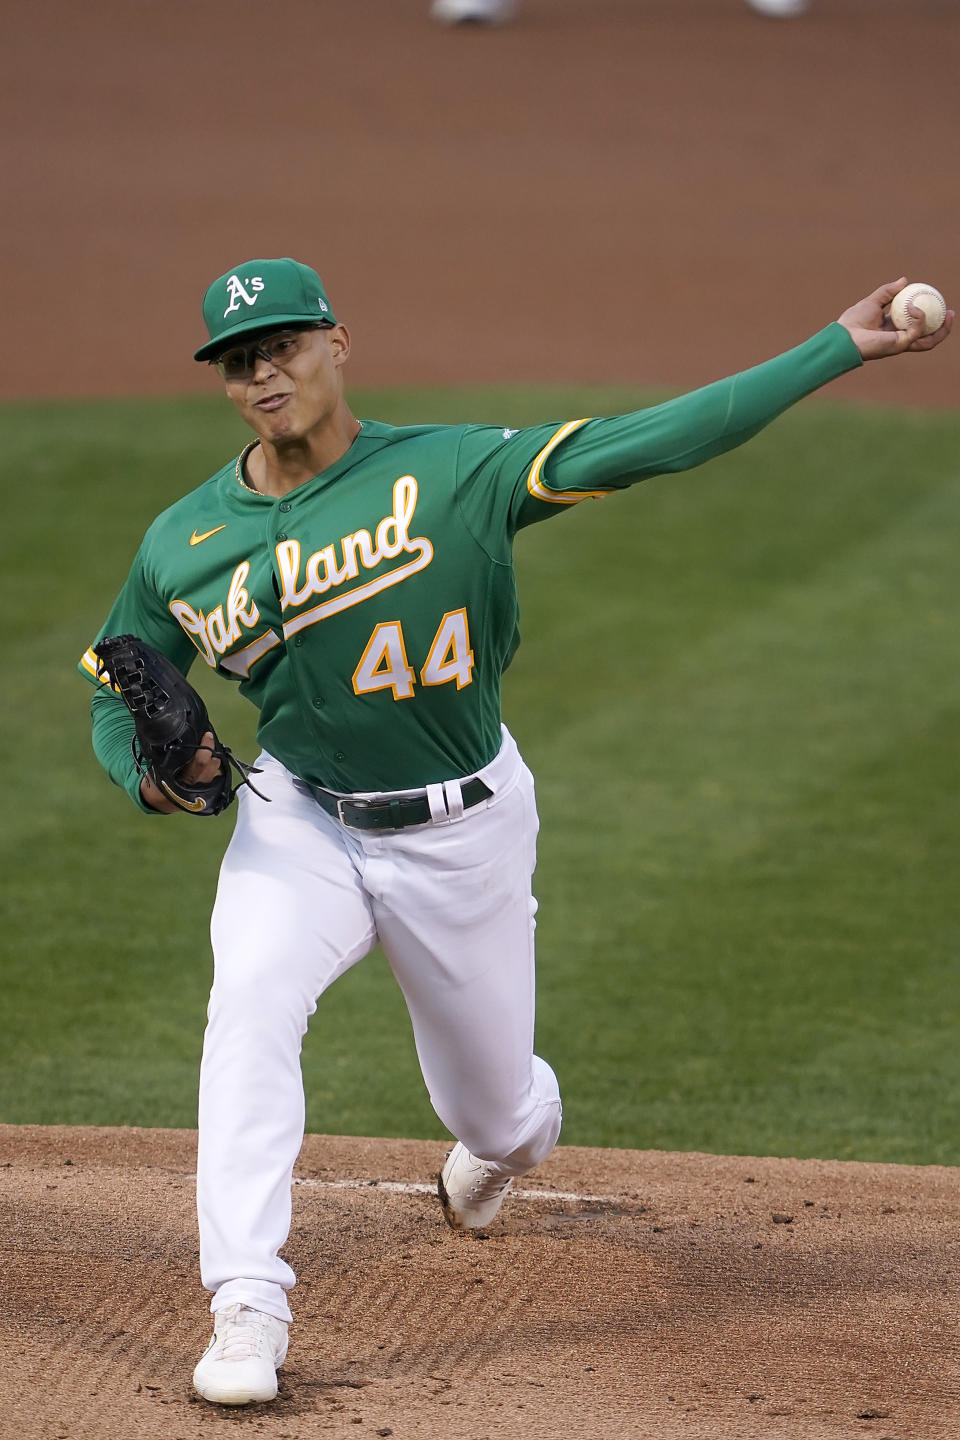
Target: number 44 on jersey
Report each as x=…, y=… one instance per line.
x=384, y=664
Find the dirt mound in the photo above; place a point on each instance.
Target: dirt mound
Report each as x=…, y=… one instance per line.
x=622, y=1293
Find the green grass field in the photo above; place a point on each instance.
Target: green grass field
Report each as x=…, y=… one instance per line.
x=739, y=693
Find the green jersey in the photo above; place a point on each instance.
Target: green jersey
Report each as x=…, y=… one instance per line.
x=369, y=614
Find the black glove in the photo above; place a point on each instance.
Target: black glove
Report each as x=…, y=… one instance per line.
x=171, y=721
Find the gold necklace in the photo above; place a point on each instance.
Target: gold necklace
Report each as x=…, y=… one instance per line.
x=241, y=460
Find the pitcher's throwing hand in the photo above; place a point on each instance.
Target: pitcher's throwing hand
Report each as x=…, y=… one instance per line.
x=874, y=333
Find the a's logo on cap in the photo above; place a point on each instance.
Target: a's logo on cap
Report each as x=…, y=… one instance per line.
x=236, y=292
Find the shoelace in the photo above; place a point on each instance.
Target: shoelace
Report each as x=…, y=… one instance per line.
x=242, y=1337
x=488, y=1183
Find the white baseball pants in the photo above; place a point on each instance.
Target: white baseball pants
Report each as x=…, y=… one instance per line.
x=301, y=898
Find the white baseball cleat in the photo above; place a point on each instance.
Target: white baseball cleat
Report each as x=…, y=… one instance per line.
x=471, y=1191
x=472, y=12
x=779, y=9
x=240, y=1364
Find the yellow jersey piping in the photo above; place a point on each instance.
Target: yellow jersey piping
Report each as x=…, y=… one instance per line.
x=559, y=497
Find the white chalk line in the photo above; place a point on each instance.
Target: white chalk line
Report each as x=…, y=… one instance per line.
x=404, y=1187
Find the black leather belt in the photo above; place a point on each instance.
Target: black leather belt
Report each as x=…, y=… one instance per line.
x=390, y=814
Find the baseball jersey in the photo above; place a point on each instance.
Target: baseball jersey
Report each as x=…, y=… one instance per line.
x=370, y=613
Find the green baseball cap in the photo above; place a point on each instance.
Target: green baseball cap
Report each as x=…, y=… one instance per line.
x=261, y=295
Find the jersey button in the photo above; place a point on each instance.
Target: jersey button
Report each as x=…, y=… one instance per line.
x=284, y=508
x=281, y=535
x=339, y=755
x=298, y=641
x=318, y=702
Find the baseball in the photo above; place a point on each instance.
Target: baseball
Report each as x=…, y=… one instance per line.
x=925, y=298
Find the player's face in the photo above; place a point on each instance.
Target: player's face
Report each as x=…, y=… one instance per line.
x=284, y=398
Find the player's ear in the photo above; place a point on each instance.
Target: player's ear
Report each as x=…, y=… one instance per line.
x=338, y=338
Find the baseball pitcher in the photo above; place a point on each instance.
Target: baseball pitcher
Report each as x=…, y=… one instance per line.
x=355, y=579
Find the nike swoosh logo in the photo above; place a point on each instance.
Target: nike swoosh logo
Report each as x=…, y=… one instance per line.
x=194, y=805
x=196, y=539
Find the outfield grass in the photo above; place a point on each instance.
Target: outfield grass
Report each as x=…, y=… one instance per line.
x=738, y=690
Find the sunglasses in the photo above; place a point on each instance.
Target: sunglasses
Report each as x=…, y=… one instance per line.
x=277, y=348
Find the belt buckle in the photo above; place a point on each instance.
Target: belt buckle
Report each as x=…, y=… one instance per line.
x=357, y=805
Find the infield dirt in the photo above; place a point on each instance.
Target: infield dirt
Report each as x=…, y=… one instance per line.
x=655, y=192
x=680, y=1297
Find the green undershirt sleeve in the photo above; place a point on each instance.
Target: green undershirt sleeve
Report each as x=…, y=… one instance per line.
x=113, y=730
x=611, y=454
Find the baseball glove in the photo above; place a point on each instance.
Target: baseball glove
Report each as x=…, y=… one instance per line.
x=171, y=721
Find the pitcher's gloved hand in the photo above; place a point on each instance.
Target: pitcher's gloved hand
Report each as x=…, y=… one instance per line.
x=172, y=726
